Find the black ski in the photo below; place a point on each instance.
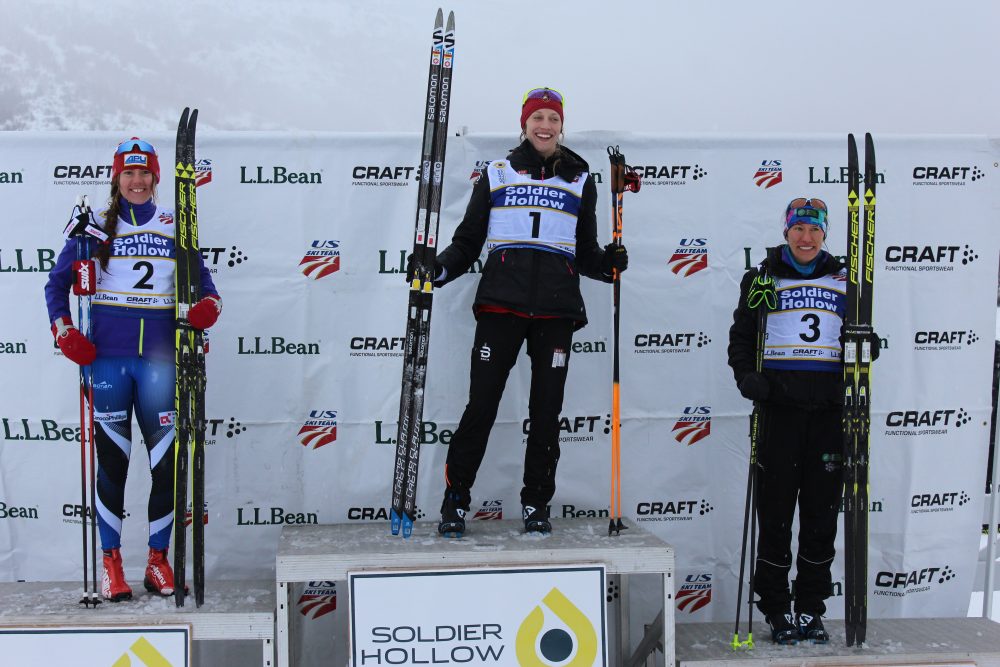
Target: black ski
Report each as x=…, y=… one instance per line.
x=190, y=364
x=418, y=312
x=857, y=395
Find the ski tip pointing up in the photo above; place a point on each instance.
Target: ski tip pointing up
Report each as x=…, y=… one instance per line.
x=451, y=22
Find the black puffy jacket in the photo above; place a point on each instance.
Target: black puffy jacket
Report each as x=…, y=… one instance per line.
x=525, y=280
x=809, y=390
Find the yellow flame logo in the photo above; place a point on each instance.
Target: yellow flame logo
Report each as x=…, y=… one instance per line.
x=556, y=645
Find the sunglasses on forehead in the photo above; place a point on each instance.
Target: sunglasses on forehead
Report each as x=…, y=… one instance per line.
x=542, y=94
x=802, y=202
x=132, y=145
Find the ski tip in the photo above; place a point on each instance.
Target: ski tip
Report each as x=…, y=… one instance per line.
x=193, y=117
x=451, y=22
x=184, y=117
x=395, y=522
x=439, y=19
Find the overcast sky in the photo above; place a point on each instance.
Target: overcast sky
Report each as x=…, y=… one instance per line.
x=729, y=66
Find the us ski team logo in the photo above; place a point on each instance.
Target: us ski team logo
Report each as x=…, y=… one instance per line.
x=491, y=509
x=695, y=594
x=202, y=172
x=768, y=174
x=320, y=429
x=319, y=598
x=695, y=425
x=689, y=258
x=322, y=259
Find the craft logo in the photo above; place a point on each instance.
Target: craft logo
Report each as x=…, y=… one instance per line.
x=574, y=637
x=202, y=172
x=944, y=340
x=947, y=175
x=578, y=429
x=319, y=429
x=277, y=345
x=386, y=176
x=15, y=512
x=928, y=257
x=318, y=598
x=322, y=259
x=900, y=584
x=838, y=175
x=431, y=433
x=675, y=174
x=45, y=430
x=76, y=174
x=696, y=592
x=74, y=513
x=377, y=346
x=695, y=425
x=11, y=177
x=376, y=513
x=669, y=342
x=216, y=427
x=230, y=257
x=691, y=256
x=943, y=501
x=274, y=516
x=8, y=347
x=24, y=260
x=925, y=422
x=768, y=174
x=490, y=510
x=279, y=176
x=672, y=510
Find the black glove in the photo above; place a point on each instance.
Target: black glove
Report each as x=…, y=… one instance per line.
x=411, y=268
x=615, y=257
x=754, y=386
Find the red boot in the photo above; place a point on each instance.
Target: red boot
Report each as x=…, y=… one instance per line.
x=159, y=576
x=114, y=586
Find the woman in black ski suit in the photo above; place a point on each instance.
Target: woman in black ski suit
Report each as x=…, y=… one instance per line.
x=801, y=389
x=536, y=213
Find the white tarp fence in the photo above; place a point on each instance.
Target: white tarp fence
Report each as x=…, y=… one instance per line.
x=292, y=350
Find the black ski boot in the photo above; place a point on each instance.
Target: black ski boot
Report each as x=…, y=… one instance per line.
x=783, y=630
x=536, y=519
x=811, y=627
x=452, y=516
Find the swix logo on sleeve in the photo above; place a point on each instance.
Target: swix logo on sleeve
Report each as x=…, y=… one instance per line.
x=695, y=425
x=690, y=257
x=319, y=429
x=768, y=174
x=321, y=260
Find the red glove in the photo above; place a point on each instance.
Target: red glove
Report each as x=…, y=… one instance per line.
x=204, y=313
x=73, y=344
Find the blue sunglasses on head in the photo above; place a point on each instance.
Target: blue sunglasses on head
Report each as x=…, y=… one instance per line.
x=131, y=145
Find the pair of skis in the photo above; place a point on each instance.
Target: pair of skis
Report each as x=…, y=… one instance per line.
x=857, y=387
x=623, y=178
x=421, y=294
x=189, y=358
x=84, y=228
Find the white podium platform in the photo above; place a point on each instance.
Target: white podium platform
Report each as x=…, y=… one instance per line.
x=908, y=641
x=327, y=553
x=232, y=610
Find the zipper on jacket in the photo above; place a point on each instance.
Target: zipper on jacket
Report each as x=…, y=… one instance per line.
x=142, y=329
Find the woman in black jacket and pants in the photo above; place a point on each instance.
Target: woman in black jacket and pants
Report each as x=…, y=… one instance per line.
x=536, y=213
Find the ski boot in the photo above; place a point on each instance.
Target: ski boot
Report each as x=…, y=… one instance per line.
x=159, y=577
x=113, y=585
x=811, y=628
x=536, y=519
x=452, y=516
x=783, y=630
